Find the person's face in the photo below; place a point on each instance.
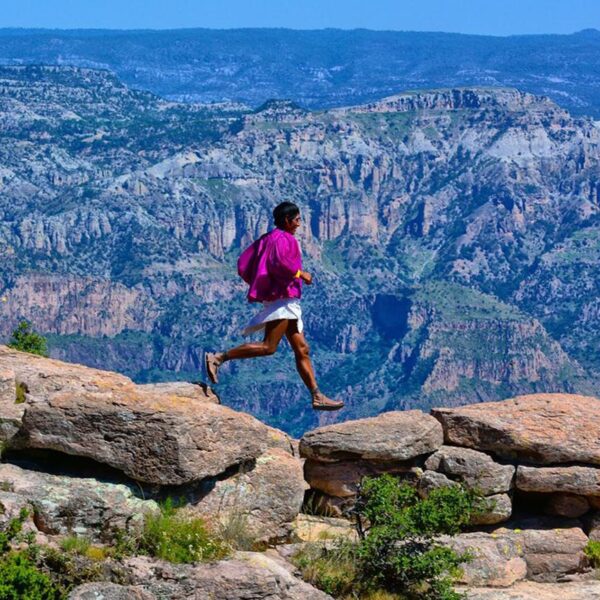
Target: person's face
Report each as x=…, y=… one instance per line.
x=292, y=224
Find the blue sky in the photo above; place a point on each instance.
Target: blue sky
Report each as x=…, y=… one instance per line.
x=492, y=17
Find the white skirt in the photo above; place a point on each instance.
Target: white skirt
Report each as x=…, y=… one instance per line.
x=285, y=308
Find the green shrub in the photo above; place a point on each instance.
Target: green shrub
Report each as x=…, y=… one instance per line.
x=397, y=555
x=25, y=339
x=179, y=538
x=20, y=579
x=592, y=551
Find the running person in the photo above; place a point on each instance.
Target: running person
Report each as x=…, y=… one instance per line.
x=272, y=267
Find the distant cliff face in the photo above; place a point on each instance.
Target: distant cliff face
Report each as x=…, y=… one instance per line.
x=453, y=235
x=320, y=69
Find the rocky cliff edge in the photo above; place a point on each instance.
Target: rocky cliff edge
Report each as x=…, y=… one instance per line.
x=87, y=449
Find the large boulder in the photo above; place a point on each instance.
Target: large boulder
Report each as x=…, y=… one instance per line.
x=474, y=469
x=391, y=436
x=264, y=500
x=75, y=505
x=151, y=435
x=538, y=428
x=580, y=480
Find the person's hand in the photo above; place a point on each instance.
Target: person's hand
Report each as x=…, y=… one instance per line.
x=306, y=277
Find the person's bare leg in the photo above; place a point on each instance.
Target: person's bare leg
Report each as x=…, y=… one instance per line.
x=302, y=354
x=304, y=366
x=274, y=331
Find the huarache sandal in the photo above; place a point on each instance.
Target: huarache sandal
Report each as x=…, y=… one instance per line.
x=321, y=402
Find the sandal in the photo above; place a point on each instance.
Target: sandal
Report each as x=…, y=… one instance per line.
x=211, y=364
x=321, y=402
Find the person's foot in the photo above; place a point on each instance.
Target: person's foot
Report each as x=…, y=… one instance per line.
x=212, y=363
x=321, y=402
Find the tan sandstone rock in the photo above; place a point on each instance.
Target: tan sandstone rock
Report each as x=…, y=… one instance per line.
x=537, y=428
x=153, y=437
x=264, y=500
x=391, y=436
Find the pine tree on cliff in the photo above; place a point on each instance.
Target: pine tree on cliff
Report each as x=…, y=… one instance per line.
x=25, y=339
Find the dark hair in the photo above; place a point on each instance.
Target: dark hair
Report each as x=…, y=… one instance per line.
x=284, y=211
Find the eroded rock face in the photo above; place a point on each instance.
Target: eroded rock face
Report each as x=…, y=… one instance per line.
x=538, y=428
x=474, y=469
x=152, y=436
x=266, y=498
x=11, y=409
x=391, y=436
x=73, y=505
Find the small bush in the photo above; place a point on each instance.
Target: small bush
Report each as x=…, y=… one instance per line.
x=592, y=551
x=397, y=555
x=178, y=538
x=20, y=579
x=25, y=339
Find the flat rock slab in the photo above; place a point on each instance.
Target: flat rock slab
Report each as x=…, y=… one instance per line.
x=538, y=428
x=473, y=468
x=391, y=436
x=529, y=590
x=153, y=436
x=580, y=480
x=75, y=505
x=263, y=500
x=248, y=575
x=110, y=591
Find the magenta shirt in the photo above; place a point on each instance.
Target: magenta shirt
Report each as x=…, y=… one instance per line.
x=269, y=267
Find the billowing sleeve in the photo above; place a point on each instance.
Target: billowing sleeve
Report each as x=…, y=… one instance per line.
x=284, y=259
x=245, y=264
